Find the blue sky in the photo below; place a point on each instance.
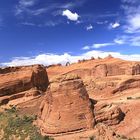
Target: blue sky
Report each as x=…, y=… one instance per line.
x=51, y=32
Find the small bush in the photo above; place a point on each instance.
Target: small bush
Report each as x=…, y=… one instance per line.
x=129, y=98
x=12, y=109
x=92, y=138
x=137, y=98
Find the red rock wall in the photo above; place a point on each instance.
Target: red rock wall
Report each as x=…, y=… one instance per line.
x=66, y=108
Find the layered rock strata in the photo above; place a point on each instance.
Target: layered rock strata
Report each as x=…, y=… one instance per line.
x=17, y=82
x=66, y=107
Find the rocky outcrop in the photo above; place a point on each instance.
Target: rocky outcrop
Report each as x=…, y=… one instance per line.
x=104, y=70
x=136, y=69
x=100, y=70
x=103, y=132
x=108, y=114
x=66, y=107
x=18, y=82
x=109, y=57
x=127, y=84
x=83, y=73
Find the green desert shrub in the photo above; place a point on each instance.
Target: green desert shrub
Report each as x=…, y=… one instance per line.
x=19, y=127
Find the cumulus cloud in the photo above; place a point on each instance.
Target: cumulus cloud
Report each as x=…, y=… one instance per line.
x=89, y=27
x=114, y=25
x=48, y=59
x=70, y=15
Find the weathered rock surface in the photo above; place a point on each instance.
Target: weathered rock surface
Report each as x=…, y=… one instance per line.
x=127, y=84
x=103, y=132
x=66, y=107
x=100, y=68
x=108, y=114
x=17, y=82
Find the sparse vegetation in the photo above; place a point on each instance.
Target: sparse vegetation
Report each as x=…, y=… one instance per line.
x=133, y=98
x=122, y=137
x=92, y=138
x=129, y=98
x=137, y=98
x=15, y=127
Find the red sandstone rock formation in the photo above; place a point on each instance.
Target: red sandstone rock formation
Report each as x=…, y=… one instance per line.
x=17, y=82
x=127, y=84
x=108, y=114
x=100, y=70
x=66, y=108
x=103, y=132
x=136, y=69
x=66, y=96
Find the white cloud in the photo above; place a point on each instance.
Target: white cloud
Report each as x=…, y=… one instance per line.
x=86, y=48
x=135, y=41
x=132, y=11
x=119, y=41
x=99, y=45
x=70, y=15
x=48, y=59
x=114, y=25
x=102, y=22
x=89, y=27
x=131, y=40
x=28, y=24
x=130, y=1
x=102, y=45
x=27, y=3
x=24, y=6
x=133, y=23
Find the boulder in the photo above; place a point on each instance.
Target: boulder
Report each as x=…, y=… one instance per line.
x=108, y=114
x=66, y=107
x=136, y=69
x=103, y=132
x=130, y=83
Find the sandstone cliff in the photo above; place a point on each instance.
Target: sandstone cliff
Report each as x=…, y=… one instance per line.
x=17, y=82
x=66, y=107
